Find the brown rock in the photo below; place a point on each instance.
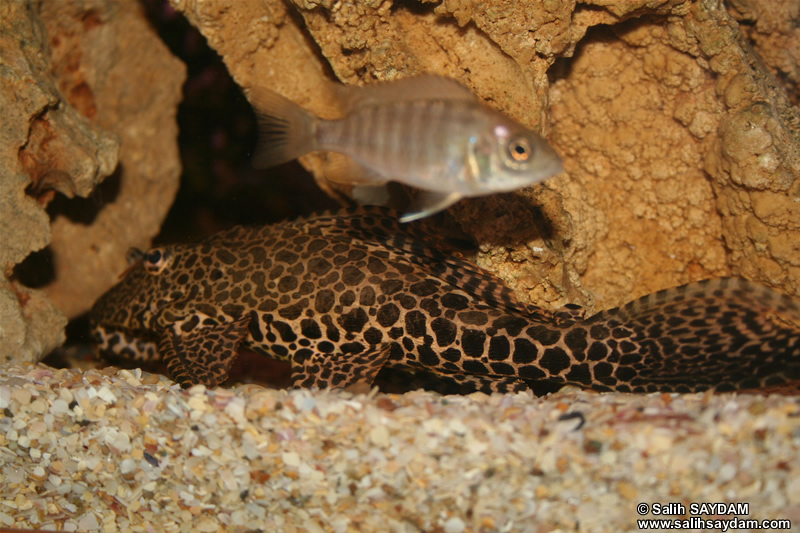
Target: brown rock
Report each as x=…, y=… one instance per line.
x=110, y=63
x=44, y=147
x=772, y=28
x=85, y=85
x=634, y=116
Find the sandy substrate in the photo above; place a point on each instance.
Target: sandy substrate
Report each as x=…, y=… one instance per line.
x=120, y=450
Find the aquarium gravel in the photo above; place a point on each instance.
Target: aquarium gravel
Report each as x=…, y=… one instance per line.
x=118, y=450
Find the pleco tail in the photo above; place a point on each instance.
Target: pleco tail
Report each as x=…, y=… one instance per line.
x=723, y=334
x=286, y=130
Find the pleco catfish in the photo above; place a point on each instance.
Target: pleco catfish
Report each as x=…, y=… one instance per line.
x=341, y=296
x=428, y=132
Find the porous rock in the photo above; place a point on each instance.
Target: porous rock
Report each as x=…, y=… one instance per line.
x=135, y=86
x=680, y=144
x=86, y=86
x=44, y=146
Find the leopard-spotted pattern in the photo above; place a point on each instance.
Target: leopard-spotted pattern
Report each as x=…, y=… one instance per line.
x=342, y=295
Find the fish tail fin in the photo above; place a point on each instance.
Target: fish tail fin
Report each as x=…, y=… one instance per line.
x=286, y=130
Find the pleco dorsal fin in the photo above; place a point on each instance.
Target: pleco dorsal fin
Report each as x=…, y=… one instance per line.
x=286, y=130
x=700, y=295
x=416, y=88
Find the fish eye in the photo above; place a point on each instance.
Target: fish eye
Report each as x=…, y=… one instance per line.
x=156, y=260
x=519, y=149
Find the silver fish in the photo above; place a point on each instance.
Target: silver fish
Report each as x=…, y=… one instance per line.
x=428, y=132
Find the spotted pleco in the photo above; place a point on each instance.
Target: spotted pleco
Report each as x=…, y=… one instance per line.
x=342, y=295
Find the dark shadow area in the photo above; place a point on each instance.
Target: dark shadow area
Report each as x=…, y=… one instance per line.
x=85, y=210
x=218, y=134
x=412, y=6
x=536, y=223
x=562, y=66
x=78, y=350
x=37, y=270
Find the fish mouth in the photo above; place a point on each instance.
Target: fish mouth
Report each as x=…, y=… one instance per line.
x=553, y=165
x=554, y=168
x=548, y=166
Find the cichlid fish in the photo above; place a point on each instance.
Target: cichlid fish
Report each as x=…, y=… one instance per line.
x=428, y=132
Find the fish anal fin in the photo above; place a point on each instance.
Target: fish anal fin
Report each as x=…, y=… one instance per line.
x=204, y=354
x=371, y=194
x=353, y=372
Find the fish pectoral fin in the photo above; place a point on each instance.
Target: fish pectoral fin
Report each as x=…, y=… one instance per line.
x=429, y=202
x=352, y=372
x=204, y=354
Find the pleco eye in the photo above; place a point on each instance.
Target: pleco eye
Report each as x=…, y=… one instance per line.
x=154, y=256
x=156, y=260
x=519, y=148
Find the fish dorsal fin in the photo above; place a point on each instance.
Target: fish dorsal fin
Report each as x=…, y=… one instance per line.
x=422, y=87
x=379, y=228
